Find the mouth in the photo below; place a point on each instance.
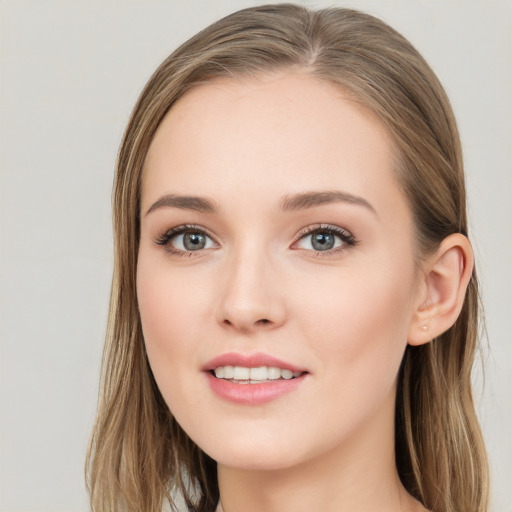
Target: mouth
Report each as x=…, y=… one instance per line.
x=252, y=379
x=258, y=375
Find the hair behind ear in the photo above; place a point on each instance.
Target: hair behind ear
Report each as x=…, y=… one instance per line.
x=439, y=445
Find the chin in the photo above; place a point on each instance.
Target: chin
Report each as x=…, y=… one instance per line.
x=248, y=451
x=256, y=460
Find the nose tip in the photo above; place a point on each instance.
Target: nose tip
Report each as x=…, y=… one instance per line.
x=251, y=298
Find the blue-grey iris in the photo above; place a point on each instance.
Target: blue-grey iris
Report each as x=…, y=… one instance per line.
x=322, y=241
x=194, y=241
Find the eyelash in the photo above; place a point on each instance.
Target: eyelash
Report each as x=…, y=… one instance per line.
x=347, y=239
x=164, y=239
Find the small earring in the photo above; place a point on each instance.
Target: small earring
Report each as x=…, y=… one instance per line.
x=424, y=328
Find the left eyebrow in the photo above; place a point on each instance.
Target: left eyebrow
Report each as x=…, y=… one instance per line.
x=311, y=199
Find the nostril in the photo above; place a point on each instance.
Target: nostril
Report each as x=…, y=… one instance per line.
x=246, y=323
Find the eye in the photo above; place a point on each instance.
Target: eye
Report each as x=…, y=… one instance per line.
x=191, y=241
x=185, y=239
x=324, y=239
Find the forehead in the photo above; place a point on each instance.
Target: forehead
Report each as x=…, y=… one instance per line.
x=287, y=130
x=290, y=96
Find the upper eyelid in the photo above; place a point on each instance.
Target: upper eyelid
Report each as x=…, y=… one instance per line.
x=181, y=229
x=184, y=228
x=307, y=230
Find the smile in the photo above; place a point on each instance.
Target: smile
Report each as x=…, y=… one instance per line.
x=252, y=379
x=259, y=375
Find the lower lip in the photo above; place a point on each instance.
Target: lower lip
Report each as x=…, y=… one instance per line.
x=252, y=394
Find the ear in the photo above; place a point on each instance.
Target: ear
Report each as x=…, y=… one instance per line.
x=441, y=292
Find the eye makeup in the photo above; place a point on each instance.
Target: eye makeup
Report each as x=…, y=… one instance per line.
x=317, y=239
x=185, y=240
x=324, y=239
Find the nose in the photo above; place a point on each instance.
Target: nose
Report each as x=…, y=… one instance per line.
x=251, y=295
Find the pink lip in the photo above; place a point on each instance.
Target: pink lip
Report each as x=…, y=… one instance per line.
x=251, y=394
x=250, y=361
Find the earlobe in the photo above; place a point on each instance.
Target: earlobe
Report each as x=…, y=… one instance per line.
x=446, y=275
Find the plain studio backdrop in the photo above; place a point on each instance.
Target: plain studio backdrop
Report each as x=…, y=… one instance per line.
x=70, y=72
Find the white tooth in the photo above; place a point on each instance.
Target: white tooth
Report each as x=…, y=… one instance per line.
x=286, y=374
x=259, y=373
x=297, y=374
x=240, y=373
x=219, y=372
x=228, y=372
x=273, y=373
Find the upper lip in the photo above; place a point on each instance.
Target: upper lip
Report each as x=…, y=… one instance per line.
x=249, y=361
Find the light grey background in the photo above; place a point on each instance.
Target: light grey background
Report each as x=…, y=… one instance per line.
x=70, y=72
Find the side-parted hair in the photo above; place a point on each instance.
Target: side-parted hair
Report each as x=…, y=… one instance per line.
x=139, y=456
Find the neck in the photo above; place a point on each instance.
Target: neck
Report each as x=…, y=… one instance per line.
x=358, y=475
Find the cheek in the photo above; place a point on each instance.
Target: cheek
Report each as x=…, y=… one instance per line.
x=361, y=326
x=171, y=311
x=169, y=307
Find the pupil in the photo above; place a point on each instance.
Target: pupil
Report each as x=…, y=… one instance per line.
x=323, y=241
x=194, y=241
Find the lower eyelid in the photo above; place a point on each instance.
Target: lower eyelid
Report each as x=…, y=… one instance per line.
x=339, y=245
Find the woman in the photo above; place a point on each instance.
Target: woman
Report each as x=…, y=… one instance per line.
x=294, y=306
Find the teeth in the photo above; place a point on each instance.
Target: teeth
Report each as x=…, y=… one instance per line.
x=286, y=374
x=258, y=373
x=241, y=373
x=262, y=373
x=273, y=373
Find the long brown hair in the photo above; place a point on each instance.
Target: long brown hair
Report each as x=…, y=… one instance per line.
x=139, y=456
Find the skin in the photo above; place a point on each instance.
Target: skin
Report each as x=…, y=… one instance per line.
x=344, y=315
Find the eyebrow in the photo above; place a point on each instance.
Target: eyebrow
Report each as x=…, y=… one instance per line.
x=294, y=202
x=197, y=204
x=312, y=199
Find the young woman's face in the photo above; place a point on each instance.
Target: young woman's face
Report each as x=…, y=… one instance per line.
x=275, y=243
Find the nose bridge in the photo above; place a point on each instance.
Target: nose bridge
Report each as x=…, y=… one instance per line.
x=251, y=297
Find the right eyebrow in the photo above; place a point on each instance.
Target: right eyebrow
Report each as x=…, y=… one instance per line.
x=195, y=203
